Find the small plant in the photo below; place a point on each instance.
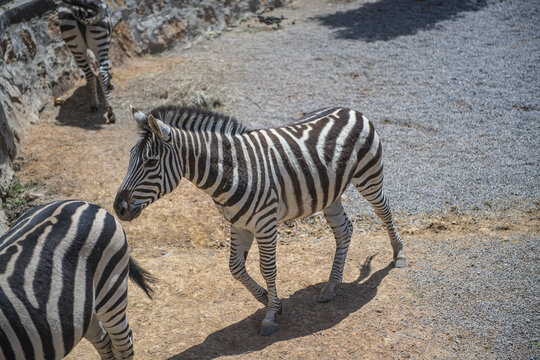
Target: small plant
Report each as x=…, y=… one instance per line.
x=15, y=200
x=15, y=195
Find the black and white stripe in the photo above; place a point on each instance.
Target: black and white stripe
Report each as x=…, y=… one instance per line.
x=64, y=270
x=259, y=178
x=86, y=25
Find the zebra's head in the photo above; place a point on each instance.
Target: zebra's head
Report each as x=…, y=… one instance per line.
x=154, y=167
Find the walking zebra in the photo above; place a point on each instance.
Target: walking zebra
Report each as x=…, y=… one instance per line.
x=85, y=24
x=258, y=178
x=63, y=276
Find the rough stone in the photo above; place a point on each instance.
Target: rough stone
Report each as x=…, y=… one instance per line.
x=36, y=66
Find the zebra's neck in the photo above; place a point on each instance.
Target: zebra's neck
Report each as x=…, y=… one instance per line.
x=209, y=161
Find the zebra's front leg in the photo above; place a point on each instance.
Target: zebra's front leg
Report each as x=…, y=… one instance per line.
x=241, y=241
x=267, y=241
x=342, y=229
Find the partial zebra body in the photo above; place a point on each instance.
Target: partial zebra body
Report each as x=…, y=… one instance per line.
x=85, y=25
x=64, y=270
x=259, y=178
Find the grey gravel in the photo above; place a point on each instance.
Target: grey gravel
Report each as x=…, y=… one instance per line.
x=452, y=88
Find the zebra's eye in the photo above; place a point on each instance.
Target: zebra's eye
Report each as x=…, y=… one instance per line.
x=152, y=162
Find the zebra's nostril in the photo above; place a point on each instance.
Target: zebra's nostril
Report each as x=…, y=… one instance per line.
x=120, y=205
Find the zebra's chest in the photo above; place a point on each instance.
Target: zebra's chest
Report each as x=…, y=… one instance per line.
x=227, y=212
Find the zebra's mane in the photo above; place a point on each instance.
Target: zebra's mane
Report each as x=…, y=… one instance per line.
x=195, y=119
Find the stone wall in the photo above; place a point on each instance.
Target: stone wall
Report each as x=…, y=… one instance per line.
x=36, y=66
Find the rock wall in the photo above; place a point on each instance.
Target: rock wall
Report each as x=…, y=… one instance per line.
x=36, y=66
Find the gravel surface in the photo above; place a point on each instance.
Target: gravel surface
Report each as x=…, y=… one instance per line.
x=452, y=88
x=484, y=290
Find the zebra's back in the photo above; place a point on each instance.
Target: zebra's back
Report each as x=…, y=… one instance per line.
x=305, y=165
x=54, y=265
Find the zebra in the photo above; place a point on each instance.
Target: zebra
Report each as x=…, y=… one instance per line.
x=258, y=178
x=85, y=24
x=63, y=276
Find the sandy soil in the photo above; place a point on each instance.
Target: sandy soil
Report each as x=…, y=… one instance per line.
x=200, y=312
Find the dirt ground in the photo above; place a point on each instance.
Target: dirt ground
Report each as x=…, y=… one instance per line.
x=199, y=311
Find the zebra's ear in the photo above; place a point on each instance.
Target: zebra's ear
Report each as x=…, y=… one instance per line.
x=158, y=127
x=140, y=117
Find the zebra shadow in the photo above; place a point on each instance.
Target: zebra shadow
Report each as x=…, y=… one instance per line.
x=75, y=111
x=303, y=315
x=388, y=19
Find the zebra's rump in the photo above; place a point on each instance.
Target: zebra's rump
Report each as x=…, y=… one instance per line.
x=48, y=276
x=86, y=12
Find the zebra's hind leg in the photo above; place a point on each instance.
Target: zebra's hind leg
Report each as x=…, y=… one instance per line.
x=241, y=241
x=104, y=83
x=342, y=229
x=91, y=79
x=111, y=312
x=110, y=85
x=91, y=83
x=376, y=197
x=84, y=65
x=74, y=39
x=98, y=40
x=119, y=332
x=99, y=338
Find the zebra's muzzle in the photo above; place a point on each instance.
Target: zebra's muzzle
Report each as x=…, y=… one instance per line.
x=124, y=210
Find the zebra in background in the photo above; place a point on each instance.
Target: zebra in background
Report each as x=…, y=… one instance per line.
x=64, y=270
x=85, y=24
x=258, y=178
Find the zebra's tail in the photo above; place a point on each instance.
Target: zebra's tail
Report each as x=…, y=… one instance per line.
x=141, y=277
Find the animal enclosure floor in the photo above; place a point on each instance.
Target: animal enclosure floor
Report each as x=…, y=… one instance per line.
x=470, y=288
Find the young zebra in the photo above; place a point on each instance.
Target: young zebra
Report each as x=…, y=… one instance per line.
x=64, y=270
x=85, y=24
x=258, y=178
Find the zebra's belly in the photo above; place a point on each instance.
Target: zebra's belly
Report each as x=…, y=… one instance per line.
x=308, y=206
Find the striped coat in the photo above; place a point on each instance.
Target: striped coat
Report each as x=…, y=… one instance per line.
x=258, y=178
x=85, y=25
x=63, y=276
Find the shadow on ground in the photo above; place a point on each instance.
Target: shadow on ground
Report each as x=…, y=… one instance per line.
x=387, y=19
x=302, y=315
x=76, y=111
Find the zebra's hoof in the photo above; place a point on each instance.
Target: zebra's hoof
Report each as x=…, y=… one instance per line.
x=328, y=292
x=269, y=327
x=326, y=297
x=112, y=118
x=400, y=262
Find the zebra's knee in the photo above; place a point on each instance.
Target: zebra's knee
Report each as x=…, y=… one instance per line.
x=237, y=269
